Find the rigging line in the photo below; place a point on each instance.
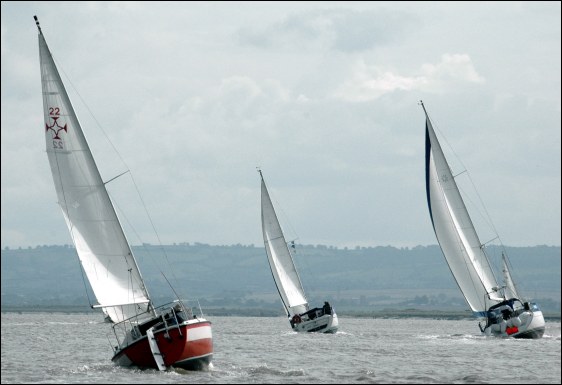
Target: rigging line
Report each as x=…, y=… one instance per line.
x=443, y=138
x=488, y=218
x=143, y=244
x=475, y=206
x=132, y=290
x=469, y=266
x=466, y=196
x=172, y=288
x=481, y=210
x=463, y=249
x=462, y=198
x=154, y=228
x=492, y=261
x=279, y=207
x=306, y=266
x=124, y=163
x=116, y=152
x=286, y=220
x=122, y=215
x=131, y=286
x=90, y=112
x=270, y=197
x=61, y=68
x=84, y=282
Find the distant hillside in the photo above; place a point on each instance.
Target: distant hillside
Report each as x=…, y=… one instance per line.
x=238, y=276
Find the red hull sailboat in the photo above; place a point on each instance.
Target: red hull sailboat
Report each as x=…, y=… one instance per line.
x=146, y=336
x=164, y=341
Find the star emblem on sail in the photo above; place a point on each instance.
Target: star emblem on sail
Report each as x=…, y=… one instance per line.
x=52, y=127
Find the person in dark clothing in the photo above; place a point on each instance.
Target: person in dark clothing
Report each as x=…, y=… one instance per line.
x=179, y=313
x=327, y=308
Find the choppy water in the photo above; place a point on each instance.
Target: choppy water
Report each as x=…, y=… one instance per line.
x=74, y=348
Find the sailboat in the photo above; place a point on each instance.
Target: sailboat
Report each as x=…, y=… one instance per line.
x=301, y=317
x=145, y=335
x=501, y=311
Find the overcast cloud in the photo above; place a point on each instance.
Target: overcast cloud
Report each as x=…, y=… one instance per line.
x=322, y=96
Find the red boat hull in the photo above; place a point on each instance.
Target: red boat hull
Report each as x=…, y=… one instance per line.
x=192, y=349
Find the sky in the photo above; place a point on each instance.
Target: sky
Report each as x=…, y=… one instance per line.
x=323, y=97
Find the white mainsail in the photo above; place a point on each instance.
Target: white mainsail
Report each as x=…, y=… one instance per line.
x=510, y=290
x=280, y=258
x=104, y=252
x=455, y=231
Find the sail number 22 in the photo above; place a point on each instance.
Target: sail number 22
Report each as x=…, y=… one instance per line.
x=54, y=114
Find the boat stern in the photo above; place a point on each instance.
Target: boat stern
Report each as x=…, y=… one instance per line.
x=188, y=345
x=197, y=352
x=533, y=326
x=528, y=324
x=326, y=323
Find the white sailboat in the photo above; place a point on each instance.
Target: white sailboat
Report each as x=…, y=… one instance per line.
x=145, y=336
x=501, y=311
x=301, y=317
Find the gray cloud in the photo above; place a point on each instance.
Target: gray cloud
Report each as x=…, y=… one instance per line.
x=325, y=103
x=344, y=30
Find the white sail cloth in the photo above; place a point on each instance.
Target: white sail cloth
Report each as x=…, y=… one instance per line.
x=101, y=245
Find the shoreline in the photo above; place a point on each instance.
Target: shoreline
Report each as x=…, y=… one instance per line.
x=257, y=312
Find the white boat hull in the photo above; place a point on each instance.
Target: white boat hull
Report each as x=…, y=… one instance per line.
x=528, y=324
x=327, y=323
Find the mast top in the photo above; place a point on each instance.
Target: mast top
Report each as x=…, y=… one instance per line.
x=421, y=103
x=37, y=23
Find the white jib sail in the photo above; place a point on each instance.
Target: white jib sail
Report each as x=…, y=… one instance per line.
x=510, y=290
